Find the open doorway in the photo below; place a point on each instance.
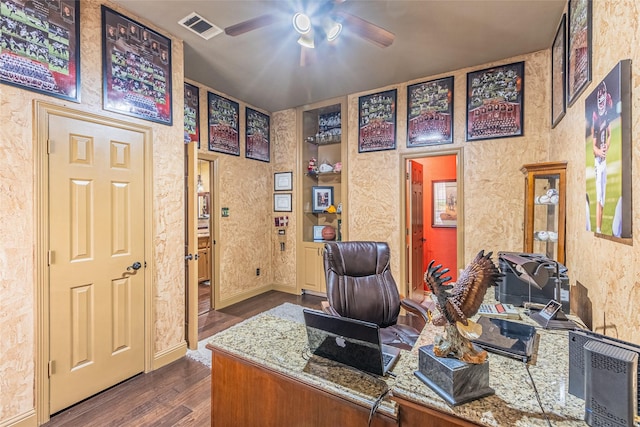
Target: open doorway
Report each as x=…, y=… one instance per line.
x=204, y=185
x=433, y=216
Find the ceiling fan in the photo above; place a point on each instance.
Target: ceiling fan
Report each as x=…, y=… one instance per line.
x=317, y=22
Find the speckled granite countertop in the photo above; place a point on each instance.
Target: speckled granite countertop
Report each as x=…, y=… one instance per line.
x=280, y=343
x=514, y=402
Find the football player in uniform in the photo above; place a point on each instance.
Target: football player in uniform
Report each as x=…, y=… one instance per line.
x=601, y=136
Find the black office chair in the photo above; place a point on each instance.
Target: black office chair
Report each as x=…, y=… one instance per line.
x=360, y=286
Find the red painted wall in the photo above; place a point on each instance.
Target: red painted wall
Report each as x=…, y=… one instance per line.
x=441, y=244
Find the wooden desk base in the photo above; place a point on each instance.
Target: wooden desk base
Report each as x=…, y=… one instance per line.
x=245, y=394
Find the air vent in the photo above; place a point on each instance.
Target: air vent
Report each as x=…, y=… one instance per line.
x=200, y=26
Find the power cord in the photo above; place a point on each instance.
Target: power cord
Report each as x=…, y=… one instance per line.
x=537, y=395
x=377, y=403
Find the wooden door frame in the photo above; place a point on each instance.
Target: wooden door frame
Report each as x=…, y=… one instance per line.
x=405, y=259
x=41, y=113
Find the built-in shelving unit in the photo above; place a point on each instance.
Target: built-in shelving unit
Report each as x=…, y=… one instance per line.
x=322, y=160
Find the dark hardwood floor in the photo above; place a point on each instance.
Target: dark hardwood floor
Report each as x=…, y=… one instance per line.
x=177, y=394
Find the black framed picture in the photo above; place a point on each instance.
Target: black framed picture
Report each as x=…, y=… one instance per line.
x=224, y=134
x=430, y=113
x=377, y=121
x=136, y=73
x=191, y=114
x=40, y=47
x=495, y=102
x=257, y=139
x=579, y=48
x=558, y=74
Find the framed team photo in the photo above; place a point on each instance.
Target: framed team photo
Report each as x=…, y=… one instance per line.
x=495, y=102
x=191, y=114
x=40, y=47
x=257, y=140
x=136, y=75
x=579, y=48
x=224, y=135
x=430, y=113
x=377, y=121
x=558, y=74
x=608, y=155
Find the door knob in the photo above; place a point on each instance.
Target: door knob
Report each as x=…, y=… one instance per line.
x=188, y=257
x=135, y=266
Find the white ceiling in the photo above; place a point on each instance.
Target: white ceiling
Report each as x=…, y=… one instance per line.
x=262, y=67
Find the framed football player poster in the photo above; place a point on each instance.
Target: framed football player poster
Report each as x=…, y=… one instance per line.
x=430, y=113
x=608, y=154
x=40, y=46
x=579, y=48
x=136, y=74
x=377, y=121
x=495, y=102
x=257, y=135
x=224, y=134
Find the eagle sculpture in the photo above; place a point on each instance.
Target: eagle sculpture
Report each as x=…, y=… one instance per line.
x=456, y=303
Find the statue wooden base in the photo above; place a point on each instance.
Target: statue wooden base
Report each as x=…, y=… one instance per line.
x=455, y=381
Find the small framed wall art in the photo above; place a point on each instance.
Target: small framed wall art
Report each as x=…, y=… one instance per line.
x=282, y=202
x=283, y=181
x=322, y=198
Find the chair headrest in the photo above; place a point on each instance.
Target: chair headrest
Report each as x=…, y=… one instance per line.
x=356, y=258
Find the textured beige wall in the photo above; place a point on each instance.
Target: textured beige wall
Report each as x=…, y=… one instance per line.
x=17, y=217
x=246, y=239
x=284, y=160
x=493, y=183
x=608, y=269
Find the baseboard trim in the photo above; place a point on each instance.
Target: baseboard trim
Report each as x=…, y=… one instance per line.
x=241, y=297
x=286, y=289
x=169, y=355
x=28, y=419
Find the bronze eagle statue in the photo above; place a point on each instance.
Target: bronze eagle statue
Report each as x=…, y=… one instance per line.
x=456, y=303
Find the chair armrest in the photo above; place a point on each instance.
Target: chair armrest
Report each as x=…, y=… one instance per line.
x=328, y=309
x=419, y=309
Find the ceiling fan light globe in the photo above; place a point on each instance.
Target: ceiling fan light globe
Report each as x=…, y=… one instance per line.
x=334, y=31
x=301, y=23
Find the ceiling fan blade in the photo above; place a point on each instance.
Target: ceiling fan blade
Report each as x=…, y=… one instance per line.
x=250, y=25
x=367, y=30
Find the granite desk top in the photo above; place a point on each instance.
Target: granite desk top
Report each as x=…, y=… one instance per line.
x=280, y=344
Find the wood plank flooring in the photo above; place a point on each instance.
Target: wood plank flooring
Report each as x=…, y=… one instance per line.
x=177, y=394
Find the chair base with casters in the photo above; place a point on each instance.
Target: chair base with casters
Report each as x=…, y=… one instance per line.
x=360, y=286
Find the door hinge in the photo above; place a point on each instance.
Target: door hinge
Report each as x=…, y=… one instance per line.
x=50, y=368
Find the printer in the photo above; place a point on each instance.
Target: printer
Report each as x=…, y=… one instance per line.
x=530, y=277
